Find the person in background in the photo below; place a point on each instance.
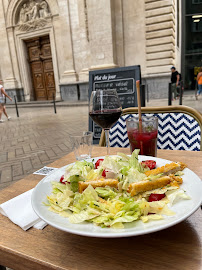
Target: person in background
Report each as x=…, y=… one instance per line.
x=199, y=81
x=175, y=78
x=2, y=102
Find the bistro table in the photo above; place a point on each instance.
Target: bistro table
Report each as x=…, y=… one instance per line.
x=178, y=247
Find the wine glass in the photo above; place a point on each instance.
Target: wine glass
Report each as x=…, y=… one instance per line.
x=105, y=109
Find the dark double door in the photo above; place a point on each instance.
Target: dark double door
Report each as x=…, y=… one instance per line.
x=41, y=66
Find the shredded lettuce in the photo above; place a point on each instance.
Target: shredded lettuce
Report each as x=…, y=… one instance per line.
x=124, y=156
x=151, y=217
x=176, y=195
x=82, y=216
x=94, y=174
x=133, y=161
x=58, y=187
x=106, y=192
x=81, y=168
x=74, y=182
x=113, y=163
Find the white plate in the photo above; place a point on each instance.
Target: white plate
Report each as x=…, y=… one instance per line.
x=183, y=209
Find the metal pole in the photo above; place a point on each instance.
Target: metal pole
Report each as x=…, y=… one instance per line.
x=180, y=100
x=142, y=95
x=147, y=87
x=169, y=94
x=54, y=103
x=78, y=91
x=16, y=106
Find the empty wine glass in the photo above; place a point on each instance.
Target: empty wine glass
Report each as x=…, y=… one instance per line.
x=105, y=109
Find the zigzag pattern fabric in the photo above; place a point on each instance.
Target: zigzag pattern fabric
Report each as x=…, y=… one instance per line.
x=176, y=131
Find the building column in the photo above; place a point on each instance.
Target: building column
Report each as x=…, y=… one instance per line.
x=7, y=70
x=101, y=35
x=11, y=41
x=64, y=44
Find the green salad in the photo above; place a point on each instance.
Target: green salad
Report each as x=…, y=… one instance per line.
x=109, y=206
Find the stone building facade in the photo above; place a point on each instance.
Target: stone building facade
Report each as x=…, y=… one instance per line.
x=48, y=47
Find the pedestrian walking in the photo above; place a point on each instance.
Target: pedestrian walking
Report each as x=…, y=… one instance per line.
x=175, y=78
x=2, y=102
x=199, y=81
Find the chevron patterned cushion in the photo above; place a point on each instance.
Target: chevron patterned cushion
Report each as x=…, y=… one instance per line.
x=176, y=131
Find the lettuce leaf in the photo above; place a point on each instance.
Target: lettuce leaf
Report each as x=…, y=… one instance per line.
x=81, y=168
x=176, y=195
x=106, y=192
x=151, y=217
x=82, y=216
x=74, y=182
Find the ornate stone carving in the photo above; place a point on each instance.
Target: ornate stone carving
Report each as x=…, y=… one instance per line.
x=33, y=14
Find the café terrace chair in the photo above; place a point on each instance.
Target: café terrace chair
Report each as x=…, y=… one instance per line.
x=179, y=128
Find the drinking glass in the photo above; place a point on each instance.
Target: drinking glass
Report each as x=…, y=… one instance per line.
x=105, y=109
x=82, y=145
x=145, y=138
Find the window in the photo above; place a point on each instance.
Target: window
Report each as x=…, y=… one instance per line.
x=194, y=2
x=193, y=7
x=196, y=24
x=192, y=41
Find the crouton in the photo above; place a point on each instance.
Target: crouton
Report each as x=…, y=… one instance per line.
x=170, y=168
x=146, y=185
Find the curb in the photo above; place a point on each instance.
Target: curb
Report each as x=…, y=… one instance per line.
x=45, y=105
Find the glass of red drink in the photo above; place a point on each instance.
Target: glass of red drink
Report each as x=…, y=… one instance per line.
x=144, y=137
x=105, y=109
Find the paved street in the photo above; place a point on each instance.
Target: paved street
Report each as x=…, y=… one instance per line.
x=36, y=138
x=189, y=99
x=39, y=136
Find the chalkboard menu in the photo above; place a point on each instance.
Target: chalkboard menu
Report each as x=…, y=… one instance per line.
x=123, y=80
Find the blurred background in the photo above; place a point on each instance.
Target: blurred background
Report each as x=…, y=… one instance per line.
x=48, y=47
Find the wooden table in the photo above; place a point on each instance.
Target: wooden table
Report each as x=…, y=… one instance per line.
x=178, y=247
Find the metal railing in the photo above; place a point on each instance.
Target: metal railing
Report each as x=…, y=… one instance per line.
x=54, y=105
x=16, y=104
x=142, y=95
x=169, y=94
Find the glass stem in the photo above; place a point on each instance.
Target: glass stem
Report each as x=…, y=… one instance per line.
x=107, y=140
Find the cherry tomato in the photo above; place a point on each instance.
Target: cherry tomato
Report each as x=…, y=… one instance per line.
x=151, y=164
x=61, y=180
x=156, y=197
x=97, y=163
x=104, y=173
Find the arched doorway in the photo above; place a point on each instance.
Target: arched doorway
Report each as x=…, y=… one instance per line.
x=41, y=67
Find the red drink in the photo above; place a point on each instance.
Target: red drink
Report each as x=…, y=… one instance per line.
x=106, y=118
x=146, y=140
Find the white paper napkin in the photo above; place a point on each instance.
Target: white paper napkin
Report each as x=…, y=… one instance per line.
x=19, y=210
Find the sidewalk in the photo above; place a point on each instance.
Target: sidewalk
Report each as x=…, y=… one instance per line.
x=189, y=99
x=37, y=138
